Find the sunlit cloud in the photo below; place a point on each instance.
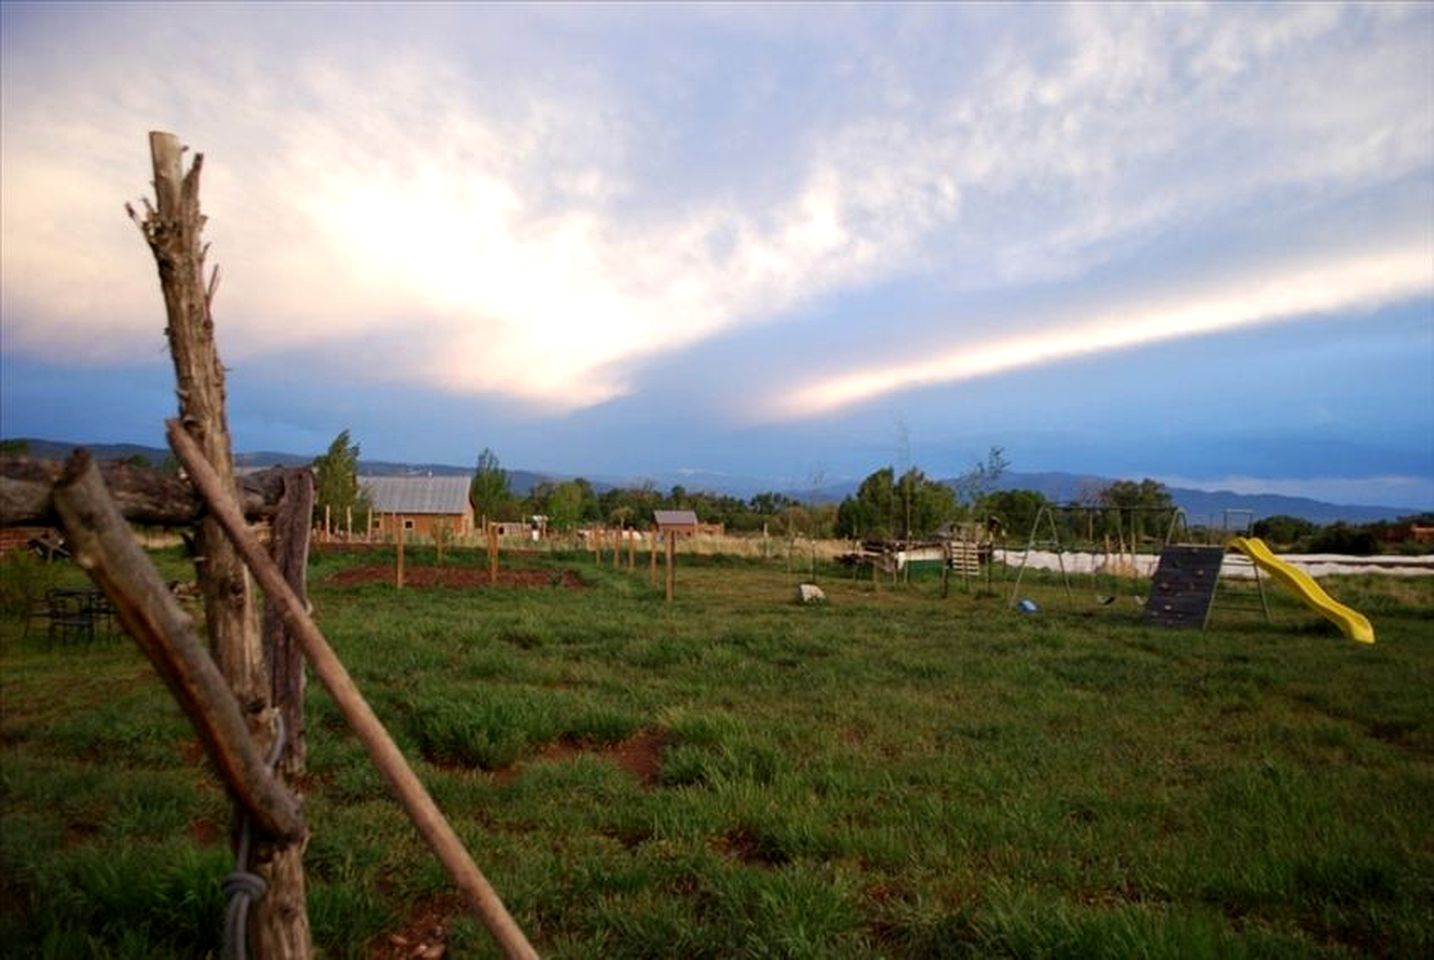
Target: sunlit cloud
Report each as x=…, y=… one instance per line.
x=1358, y=282
x=529, y=230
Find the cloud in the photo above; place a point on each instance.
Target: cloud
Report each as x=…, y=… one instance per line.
x=451, y=207
x=1359, y=281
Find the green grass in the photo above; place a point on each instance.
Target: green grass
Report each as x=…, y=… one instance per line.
x=890, y=774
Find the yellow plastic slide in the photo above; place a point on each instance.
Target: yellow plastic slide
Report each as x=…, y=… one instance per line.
x=1354, y=624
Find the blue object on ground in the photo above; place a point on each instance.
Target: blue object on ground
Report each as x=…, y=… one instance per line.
x=1027, y=606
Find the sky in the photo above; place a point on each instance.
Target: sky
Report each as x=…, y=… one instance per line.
x=790, y=243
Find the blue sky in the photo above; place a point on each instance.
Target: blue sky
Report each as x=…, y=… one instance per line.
x=782, y=242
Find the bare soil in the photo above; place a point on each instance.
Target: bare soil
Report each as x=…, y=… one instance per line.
x=463, y=578
x=423, y=935
x=639, y=755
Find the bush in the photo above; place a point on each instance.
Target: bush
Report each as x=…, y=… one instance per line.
x=24, y=578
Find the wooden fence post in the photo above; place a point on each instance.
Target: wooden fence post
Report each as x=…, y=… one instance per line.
x=652, y=565
x=172, y=226
x=492, y=554
x=671, y=557
x=398, y=577
x=409, y=790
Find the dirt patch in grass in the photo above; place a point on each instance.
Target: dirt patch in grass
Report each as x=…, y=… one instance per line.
x=465, y=578
x=423, y=935
x=745, y=845
x=639, y=755
x=204, y=831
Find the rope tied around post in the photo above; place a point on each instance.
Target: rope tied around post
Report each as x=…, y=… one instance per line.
x=242, y=887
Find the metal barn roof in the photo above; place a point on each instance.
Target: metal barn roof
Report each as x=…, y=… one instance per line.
x=675, y=518
x=444, y=495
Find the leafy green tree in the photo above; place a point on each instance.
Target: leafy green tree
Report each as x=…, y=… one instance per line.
x=925, y=504
x=15, y=448
x=490, y=494
x=564, y=505
x=1147, y=505
x=336, y=482
x=885, y=507
x=1015, y=509
x=1283, y=529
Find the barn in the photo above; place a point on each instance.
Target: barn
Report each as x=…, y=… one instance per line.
x=684, y=523
x=421, y=503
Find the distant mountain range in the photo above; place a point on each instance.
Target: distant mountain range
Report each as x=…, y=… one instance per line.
x=1200, y=506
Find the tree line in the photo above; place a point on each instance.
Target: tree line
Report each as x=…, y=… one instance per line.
x=886, y=505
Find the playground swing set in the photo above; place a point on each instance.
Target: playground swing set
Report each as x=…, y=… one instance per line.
x=1186, y=578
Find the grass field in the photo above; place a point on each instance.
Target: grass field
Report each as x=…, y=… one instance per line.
x=733, y=775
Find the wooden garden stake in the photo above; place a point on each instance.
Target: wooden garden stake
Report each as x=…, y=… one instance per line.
x=492, y=554
x=410, y=791
x=398, y=576
x=671, y=556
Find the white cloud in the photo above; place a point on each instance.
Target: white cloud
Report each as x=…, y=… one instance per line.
x=1356, y=281
x=498, y=229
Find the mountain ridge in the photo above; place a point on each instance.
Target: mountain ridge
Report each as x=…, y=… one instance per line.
x=1200, y=506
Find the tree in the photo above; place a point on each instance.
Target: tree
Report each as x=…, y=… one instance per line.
x=883, y=507
x=981, y=478
x=1283, y=529
x=563, y=505
x=489, y=494
x=1143, y=501
x=925, y=504
x=1015, y=509
x=336, y=482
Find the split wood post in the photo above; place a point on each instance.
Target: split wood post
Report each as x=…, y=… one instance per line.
x=671, y=557
x=652, y=565
x=172, y=226
x=632, y=552
x=289, y=546
x=409, y=790
x=617, y=548
x=398, y=574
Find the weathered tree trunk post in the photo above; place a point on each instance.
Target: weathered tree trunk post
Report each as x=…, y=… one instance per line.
x=279, y=925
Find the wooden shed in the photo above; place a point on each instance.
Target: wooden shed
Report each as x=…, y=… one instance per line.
x=681, y=522
x=420, y=503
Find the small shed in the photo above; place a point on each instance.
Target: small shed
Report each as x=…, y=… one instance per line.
x=681, y=522
x=422, y=503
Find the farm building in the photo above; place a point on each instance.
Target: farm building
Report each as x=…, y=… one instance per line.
x=421, y=503
x=684, y=523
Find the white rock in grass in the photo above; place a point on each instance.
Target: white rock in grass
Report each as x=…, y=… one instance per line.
x=810, y=593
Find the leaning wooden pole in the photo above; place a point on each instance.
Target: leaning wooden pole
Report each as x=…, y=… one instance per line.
x=173, y=228
x=106, y=549
x=410, y=791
